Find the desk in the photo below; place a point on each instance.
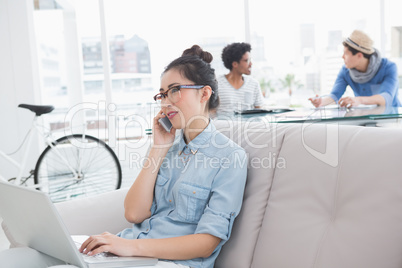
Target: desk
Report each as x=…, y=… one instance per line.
x=361, y=116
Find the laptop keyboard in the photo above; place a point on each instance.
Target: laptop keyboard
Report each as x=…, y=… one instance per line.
x=99, y=256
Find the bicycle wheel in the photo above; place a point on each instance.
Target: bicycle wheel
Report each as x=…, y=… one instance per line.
x=77, y=166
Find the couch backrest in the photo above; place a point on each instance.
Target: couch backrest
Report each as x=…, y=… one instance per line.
x=333, y=198
x=262, y=142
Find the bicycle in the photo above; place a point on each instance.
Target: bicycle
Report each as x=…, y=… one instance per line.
x=72, y=166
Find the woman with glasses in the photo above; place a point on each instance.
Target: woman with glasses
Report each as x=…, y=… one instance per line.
x=190, y=189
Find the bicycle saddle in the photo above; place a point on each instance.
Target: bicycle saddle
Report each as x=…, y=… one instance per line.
x=38, y=109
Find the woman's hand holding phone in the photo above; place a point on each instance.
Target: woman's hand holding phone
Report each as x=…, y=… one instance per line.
x=160, y=134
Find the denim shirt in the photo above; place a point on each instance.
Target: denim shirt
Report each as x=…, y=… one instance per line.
x=198, y=190
x=384, y=83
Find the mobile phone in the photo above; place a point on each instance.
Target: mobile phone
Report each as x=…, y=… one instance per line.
x=166, y=124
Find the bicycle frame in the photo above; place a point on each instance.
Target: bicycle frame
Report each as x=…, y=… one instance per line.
x=49, y=141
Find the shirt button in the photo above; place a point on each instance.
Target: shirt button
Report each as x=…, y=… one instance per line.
x=147, y=230
x=194, y=192
x=170, y=201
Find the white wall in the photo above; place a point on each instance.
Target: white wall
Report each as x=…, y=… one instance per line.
x=19, y=79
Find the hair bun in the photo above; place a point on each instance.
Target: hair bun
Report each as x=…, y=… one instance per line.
x=196, y=50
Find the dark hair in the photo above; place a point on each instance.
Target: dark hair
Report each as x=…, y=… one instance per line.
x=355, y=51
x=234, y=52
x=194, y=64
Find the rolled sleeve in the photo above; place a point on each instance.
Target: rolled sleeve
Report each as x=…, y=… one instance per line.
x=389, y=86
x=340, y=85
x=227, y=197
x=334, y=97
x=214, y=224
x=388, y=98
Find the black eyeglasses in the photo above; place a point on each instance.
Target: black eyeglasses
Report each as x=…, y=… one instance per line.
x=173, y=93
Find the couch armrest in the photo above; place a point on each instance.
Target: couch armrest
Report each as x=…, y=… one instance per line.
x=10, y=238
x=95, y=214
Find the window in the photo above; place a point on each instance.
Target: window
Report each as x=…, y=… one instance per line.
x=287, y=37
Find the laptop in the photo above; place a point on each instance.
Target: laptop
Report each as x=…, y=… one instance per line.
x=33, y=220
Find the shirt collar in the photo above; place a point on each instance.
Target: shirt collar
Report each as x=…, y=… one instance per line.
x=200, y=141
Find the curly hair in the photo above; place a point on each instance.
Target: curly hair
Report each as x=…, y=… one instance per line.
x=194, y=64
x=234, y=52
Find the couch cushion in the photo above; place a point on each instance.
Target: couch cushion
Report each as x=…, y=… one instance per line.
x=95, y=214
x=262, y=142
x=338, y=203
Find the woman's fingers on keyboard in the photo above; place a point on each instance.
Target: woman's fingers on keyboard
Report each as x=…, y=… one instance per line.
x=90, y=244
x=98, y=250
x=96, y=244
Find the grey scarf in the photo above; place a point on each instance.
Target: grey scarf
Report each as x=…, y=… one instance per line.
x=372, y=68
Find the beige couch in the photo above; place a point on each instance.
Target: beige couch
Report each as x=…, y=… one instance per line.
x=316, y=196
